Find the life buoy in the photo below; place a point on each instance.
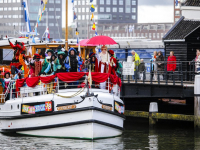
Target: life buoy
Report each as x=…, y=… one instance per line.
x=4, y=69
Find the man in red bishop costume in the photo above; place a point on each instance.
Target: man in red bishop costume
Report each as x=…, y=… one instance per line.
x=113, y=63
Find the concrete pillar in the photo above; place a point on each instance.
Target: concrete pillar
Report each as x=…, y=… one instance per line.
x=153, y=108
x=197, y=102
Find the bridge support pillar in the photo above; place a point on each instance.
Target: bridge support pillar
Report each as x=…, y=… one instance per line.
x=153, y=108
x=197, y=102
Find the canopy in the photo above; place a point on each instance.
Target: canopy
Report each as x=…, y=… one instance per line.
x=84, y=43
x=101, y=40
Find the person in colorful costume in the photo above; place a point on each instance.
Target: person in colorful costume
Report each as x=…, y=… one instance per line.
x=46, y=61
x=59, y=65
x=18, y=49
x=7, y=80
x=73, y=62
x=25, y=64
x=113, y=63
x=93, y=62
x=36, y=66
x=49, y=70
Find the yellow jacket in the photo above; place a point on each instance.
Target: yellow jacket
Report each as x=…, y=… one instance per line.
x=137, y=60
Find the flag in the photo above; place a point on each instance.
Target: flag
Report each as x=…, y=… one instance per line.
x=72, y=1
x=42, y=2
x=35, y=31
x=47, y=32
x=75, y=16
x=28, y=26
x=176, y=2
x=77, y=40
x=96, y=34
x=91, y=1
x=92, y=8
x=93, y=27
x=92, y=16
x=77, y=33
x=33, y=40
x=79, y=49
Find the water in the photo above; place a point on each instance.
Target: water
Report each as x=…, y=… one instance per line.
x=137, y=136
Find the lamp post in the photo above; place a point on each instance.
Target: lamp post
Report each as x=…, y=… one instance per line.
x=66, y=26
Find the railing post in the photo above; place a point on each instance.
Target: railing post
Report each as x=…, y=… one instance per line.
x=193, y=72
x=165, y=67
x=158, y=77
x=144, y=73
x=151, y=72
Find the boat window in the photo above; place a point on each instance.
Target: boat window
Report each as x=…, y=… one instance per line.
x=18, y=106
x=11, y=107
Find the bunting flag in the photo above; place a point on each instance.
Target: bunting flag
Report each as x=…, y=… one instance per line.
x=26, y=16
x=47, y=33
x=77, y=33
x=75, y=16
x=35, y=31
x=92, y=8
x=30, y=50
x=176, y=2
x=42, y=2
x=91, y=1
x=33, y=40
x=96, y=34
x=72, y=1
x=92, y=16
x=93, y=27
x=77, y=40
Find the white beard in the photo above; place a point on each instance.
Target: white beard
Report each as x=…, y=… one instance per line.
x=104, y=57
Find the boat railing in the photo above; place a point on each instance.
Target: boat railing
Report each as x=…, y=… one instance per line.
x=58, y=86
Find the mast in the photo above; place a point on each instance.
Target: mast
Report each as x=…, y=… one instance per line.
x=66, y=27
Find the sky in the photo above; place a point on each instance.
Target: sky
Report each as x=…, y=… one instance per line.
x=149, y=11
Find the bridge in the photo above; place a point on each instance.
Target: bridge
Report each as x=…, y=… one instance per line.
x=178, y=84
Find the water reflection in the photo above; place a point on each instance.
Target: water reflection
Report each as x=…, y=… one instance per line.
x=136, y=136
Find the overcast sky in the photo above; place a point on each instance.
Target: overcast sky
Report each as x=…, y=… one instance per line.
x=149, y=11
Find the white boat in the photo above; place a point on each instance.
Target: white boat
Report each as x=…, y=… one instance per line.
x=89, y=115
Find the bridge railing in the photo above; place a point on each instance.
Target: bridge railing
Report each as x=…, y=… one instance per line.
x=163, y=72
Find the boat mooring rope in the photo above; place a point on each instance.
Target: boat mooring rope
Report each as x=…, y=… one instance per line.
x=77, y=93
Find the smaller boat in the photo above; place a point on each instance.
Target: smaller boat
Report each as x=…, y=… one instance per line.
x=81, y=113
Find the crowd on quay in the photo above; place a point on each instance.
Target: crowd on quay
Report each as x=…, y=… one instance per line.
x=57, y=61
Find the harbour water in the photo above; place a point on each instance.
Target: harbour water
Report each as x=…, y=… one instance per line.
x=137, y=136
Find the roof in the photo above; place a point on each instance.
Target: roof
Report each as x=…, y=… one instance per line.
x=192, y=3
x=182, y=29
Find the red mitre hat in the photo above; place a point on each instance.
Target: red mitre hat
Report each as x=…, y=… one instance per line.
x=103, y=46
x=111, y=52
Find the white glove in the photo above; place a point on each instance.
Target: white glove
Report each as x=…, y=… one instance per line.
x=114, y=64
x=106, y=63
x=32, y=61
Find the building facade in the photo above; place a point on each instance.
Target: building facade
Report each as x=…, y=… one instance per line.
x=153, y=31
x=106, y=12
x=12, y=19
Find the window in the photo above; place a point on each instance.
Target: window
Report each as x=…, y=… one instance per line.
x=51, y=9
x=51, y=1
x=133, y=2
x=5, y=8
x=57, y=1
x=9, y=16
x=121, y=9
x=15, y=24
x=51, y=24
x=18, y=1
x=79, y=9
x=51, y=17
x=87, y=17
x=83, y=2
x=104, y=17
x=101, y=9
x=83, y=17
x=133, y=10
x=101, y=2
x=5, y=16
x=1, y=8
x=87, y=9
x=107, y=9
x=9, y=1
x=15, y=16
x=79, y=2
x=5, y=1
x=20, y=8
x=20, y=16
x=121, y=2
x=114, y=2
x=75, y=2
x=57, y=9
x=114, y=16
x=79, y=17
x=14, y=1
x=57, y=17
x=158, y=35
x=115, y=34
x=154, y=35
x=114, y=9
x=107, y=2
x=128, y=6
x=162, y=35
x=133, y=17
x=177, y=13
x=1, y=16
x=83, y=9
x=15, y=8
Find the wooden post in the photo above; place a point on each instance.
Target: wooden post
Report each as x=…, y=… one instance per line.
x=66, y=27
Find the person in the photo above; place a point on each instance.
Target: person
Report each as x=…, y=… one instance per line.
x=113, y=63
x=171, y=63
x=59, y=65
x=141, y=68
x=197, y=64
x=25, y=64
x=49, y=70
x=160, y=64
x=73, y=62
x=103, y=64
x=93, y=62
x=46, y=61
x=104, y=60
x=36, y=66
x=154, y=65
x=136, y=60
x=7, y=80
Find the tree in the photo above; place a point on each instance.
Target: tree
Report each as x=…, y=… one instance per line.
x=70, y=33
